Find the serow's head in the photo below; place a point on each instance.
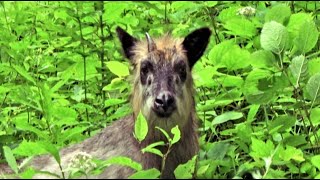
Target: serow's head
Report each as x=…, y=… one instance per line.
x=163, y=85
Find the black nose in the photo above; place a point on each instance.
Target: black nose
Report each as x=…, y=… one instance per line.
x=164, y=104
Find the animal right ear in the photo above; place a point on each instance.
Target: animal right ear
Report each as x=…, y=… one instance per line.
x=127, y=42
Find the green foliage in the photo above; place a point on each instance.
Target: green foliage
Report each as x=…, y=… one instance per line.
x=140, y=127
x=63, y=78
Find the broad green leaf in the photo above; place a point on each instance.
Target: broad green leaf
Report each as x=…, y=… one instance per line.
x=295, y=140
x=49, y=147
x=236, y=58
x=228, y=13
x=113, y=101
x=125, y=161
x=218, y=150
x=226, y=117
x=24, y=73
x=118, y=68
x=211, y=3
x=274, y=37
x=26, y=148
x=176, y=134
x=261, y=149
x=262, y=59
x=64, y=113
x=292, y=153
x=313, y=87
x=185, y=171
x=150, y=148
x=10, y=159
x=140, y=127
x=241, y=27
x=218, y=51
x=296, y=21
x=279, y=13
x=282, y=123
x=204, y=76
x=315, y=160
x=146, y=174
x=230, y=81
x=314, y=66
x=315, y=116
x=202, y=170
x=299, y=69
x=307, y=37
x=78, y=70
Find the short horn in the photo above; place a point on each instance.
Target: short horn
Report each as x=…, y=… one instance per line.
x=151, y=44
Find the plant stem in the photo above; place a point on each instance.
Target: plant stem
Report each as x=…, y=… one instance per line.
x=84, y=62
x=102, y=55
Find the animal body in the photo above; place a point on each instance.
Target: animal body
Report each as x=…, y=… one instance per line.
x=163, y=91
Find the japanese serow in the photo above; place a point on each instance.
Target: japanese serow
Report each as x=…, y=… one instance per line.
x=163, y=91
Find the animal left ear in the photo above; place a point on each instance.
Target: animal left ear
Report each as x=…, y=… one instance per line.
x=195, y=44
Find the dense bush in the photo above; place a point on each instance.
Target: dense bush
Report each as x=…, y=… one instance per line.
x=63, y=78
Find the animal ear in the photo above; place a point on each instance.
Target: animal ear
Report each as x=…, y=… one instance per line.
x=127, y=42
x=195, y=44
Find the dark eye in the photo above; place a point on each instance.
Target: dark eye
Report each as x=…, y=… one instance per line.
x=180, y=68
x=183, y=69
x=146, y=67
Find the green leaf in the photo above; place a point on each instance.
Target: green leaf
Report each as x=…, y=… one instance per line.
x=49, y=147
x=125, y=161
x=230, y=81
x=185, y=171
x=218, y=150
x=295, y=140
x=261, y=149
x=315, y=160
x=282, y=123
x=296, y=21
x=251, y=91
x=118, y=68
x=176, y=134
x=292, y=153
x=226, y=117
x=236, y=58
x=315, y=116
x=146, y=174
x=150, y=148
x=26, y=148
x=313, y=87
x=252, y=112
x=24, y=73
x=241, y=27
x=279, y=13
x=299, y=69
x=218, y=51
x=10, y=159
x=314, y=66
x=307, y=37
x=274, y=37
x=228, y=13
x=164, y=133
x=263, y=59
x=113, y=101
x=140, y=127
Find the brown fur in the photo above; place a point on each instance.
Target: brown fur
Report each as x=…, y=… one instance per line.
x=117, y=139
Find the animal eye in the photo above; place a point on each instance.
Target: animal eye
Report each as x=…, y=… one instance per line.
x=182, y=69
x=144, y=70
x=146, y=67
